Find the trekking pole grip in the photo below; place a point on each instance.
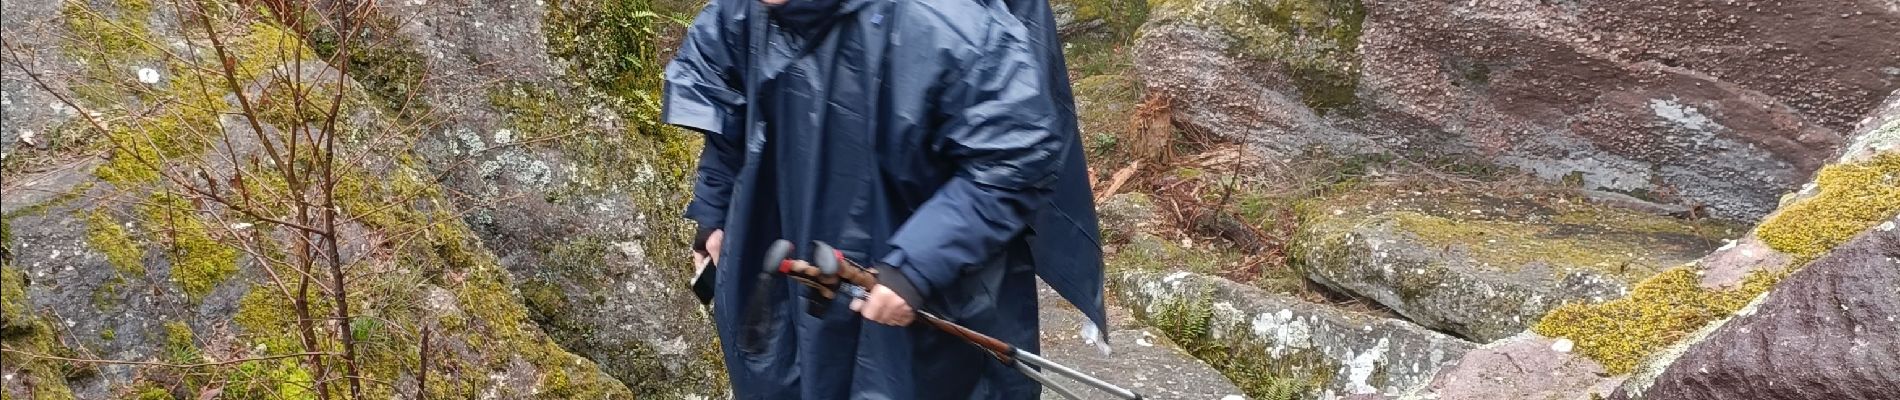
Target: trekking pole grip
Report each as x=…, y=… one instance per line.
x=831, y=261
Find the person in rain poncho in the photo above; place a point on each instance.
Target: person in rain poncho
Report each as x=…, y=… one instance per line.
x=917, y=136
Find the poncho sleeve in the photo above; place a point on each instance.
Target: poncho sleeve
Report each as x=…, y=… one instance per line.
x=703, y=92
x=998, y=135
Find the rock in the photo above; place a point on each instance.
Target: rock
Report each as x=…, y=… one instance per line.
x=1878, y=133
x=565, y=179
x=116, y=263
x=1124, y=215
x=1488, y=266
x=132, y=271
x=1113, y=18
x=1289, y=347
x=1669, y=312
x=1826, y=332
x=1141, y=359
x=1526, y=366
x=23, y=106
x=1697, y=103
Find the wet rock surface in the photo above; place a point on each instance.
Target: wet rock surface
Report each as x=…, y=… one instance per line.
x=1693, y=103
x=1487, y=266
x=1825, y=332
x=1140, y=358
x=1339, y=353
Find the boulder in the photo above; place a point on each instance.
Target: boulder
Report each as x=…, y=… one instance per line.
x=1140, y=358
x=1127, y=214
x=1825, y=332
x=1665, y=314
x=1699, y=103
x=1526, y=366
x=548, y=143
x=101, y=264
x=1283, y=347
x=117, y=268
x=1487, y=266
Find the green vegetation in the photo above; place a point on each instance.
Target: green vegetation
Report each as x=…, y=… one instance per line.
x=1660, y=311
x=1318, y=40
x=23, y=329
x=612, y=46
x=1848, y=199
x=1257, y=373
x=105, y=235
x=1120, y=19
x=199, y=261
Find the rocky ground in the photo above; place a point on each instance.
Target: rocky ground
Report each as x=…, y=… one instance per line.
x=1301, y=199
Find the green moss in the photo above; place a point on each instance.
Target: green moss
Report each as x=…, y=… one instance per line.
x=1318, y=40
x=174, y=131
x=1120, y=18
x=122, y=252
x=612, y=46
x=1258, y=374
x=1661, y=310
x=22, y=330
x=382, y=60
x=1511, y=245
x=180, y=344
x=108, y=334
x=110, y=42
x=15, y=315
x=107, y=297
x=1848, y=199
x=199, y=262
x=148, y=391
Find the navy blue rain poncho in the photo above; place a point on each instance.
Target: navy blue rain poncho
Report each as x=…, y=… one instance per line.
x=936, y=138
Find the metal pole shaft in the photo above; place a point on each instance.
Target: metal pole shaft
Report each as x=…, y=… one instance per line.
x=1044, y=380
x=1024, y=356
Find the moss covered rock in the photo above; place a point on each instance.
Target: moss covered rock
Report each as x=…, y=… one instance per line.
x=109, y=259
x=1487, y=266
x=553, y=151
x=1827, y=331
x=1651, y=98
x=1280, y=347
x=1670, y=312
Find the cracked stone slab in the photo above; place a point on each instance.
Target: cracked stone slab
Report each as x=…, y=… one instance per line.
x=1141, y=359
x=1353, y=353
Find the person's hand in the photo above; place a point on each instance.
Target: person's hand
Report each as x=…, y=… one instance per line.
x=713, y=242
x=885, y=307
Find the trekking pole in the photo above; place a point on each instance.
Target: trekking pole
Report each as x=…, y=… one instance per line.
x=835, y=275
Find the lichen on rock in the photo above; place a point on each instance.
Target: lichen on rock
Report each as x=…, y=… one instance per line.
x=1659, y=311
x=1846, y=199
x=1486, y=266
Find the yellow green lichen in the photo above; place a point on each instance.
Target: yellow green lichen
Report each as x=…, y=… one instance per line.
x=148, y=391
x=21, y=330
x=1659, y=311
x=106, y=235
x=199, y=262
x=1507, y=245
x=110, y=42
x=1848, y=199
